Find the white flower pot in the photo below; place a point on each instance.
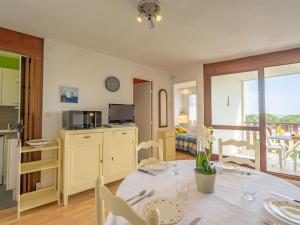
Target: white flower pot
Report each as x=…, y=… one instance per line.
x=205, y=183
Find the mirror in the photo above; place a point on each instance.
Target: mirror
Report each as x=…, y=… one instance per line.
x=163, y=108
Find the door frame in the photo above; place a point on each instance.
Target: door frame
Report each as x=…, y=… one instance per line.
x=136, y=80
x=252, y=63
x=31, y=105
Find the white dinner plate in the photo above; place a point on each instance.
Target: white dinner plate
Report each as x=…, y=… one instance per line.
x=171, y=210
x=158, y=166
x=38, y=142
x=229, y=166
x=285, y=210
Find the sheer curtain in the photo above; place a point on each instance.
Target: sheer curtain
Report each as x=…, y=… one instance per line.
x=192, y=108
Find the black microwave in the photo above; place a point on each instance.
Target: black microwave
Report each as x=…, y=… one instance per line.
x=81, y=119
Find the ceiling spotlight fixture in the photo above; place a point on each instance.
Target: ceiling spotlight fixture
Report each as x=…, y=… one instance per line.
x=149, y=9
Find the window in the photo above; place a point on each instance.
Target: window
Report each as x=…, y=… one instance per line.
x=193, y=108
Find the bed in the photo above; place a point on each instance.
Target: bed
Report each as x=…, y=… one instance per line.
x=186, y=142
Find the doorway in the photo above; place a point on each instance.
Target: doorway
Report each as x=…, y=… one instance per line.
x=142, y=100
x=10, y=76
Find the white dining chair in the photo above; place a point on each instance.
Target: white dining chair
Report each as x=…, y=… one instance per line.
x=147, y=145
x=236, y=159
x=120, y=207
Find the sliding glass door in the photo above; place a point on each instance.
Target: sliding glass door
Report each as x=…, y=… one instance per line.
x=282, y=108
x=256, y=100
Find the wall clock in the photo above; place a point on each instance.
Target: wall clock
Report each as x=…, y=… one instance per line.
x=112, y=83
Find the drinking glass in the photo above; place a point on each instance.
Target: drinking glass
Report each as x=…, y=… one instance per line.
x=182, y=189
x=175, y=168
x=249, y=190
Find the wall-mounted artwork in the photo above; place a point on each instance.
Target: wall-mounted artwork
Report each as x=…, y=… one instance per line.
x=69, y=94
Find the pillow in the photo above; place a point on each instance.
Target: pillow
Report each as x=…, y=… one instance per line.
x=182, y=130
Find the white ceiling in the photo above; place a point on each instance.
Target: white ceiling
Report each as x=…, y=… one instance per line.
x=192, y=31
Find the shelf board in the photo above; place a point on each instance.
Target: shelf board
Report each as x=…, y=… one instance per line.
x=37, y=198
x=40, y=165
x=41, y=148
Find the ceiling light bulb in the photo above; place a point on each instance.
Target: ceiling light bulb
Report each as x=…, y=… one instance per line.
x=139, y=18
x=158, y=17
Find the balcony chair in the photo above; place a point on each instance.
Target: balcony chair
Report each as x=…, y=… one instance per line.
x=279, y=149
x=119, y=207
x=147, y=145
x=296, y=152
x=236, y=159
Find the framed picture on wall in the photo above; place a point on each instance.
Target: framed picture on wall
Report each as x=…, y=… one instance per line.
x=69, y=94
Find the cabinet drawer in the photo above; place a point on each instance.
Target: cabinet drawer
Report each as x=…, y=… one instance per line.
x=125, y=134
x=85, y=138
x=170, y=133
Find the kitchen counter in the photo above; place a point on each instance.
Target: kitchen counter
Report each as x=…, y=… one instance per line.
x=7, y=131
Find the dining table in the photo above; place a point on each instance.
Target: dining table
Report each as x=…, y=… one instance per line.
x=226, y=206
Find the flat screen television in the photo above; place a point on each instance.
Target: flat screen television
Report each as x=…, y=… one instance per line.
x=121, y=113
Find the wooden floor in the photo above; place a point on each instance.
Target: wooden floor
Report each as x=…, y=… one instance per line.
x=80, y=211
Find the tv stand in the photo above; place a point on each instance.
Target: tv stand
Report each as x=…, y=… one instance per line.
x=117, y=125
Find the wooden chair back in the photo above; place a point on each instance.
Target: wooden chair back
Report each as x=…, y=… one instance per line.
x=119, y=207
x=146, y=145
x=239, y=160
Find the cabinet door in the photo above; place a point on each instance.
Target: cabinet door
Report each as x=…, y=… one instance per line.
x=85, y=166
x=10, y=87
x=122, y=156
x=170, y=148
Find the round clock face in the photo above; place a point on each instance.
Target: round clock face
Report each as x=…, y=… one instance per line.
x=112, y=83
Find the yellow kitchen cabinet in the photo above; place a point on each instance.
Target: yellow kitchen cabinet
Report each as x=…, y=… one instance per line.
x=90, y=153
x=10, y=87
x=169, y=147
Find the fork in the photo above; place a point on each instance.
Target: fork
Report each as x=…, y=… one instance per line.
x=151, y=193
x=138, y=195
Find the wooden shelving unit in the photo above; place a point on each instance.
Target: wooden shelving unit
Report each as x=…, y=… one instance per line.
x=46, y=195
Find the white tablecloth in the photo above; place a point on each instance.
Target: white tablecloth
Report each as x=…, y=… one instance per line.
x=225, y=206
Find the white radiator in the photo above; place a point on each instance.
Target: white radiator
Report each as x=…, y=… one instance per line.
x=12, y=162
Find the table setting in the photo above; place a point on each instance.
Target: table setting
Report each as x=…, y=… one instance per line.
x=195, y=192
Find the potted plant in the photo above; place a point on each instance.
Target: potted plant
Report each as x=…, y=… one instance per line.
x=205, y=173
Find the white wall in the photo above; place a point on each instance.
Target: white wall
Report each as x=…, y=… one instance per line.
x=222, y=88
x=73, y=66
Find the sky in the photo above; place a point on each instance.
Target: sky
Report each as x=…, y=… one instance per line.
x=282, y=95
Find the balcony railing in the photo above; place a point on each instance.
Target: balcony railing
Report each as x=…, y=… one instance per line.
x=287, y=127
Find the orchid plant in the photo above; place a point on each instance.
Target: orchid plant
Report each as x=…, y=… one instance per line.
x=208, y=139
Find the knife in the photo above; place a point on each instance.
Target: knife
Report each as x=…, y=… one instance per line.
x=195, y=221
x=146, y=171
x=286, y=197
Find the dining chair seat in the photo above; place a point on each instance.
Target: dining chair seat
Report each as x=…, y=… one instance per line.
x=238, y=158
x=120, y=207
